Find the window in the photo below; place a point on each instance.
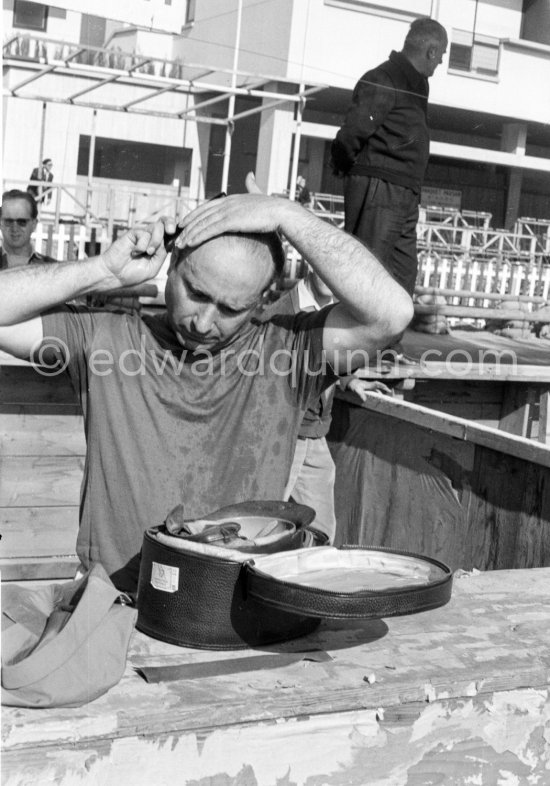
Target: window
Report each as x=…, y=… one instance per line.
x=92, y=33
x=92, y=30
x=118, y=159
x=485, y=54
x=474, y=52
x=32, y=16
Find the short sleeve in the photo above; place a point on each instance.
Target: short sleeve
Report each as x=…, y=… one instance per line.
x=301, y=358
x=69, y=333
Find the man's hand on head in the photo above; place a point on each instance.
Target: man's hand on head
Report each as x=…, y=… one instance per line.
x=251, y=212
x=138, y=255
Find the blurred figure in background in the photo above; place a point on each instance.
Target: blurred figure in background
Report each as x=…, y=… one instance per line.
x=43, y=174
x=302, y=191
x=313, y=472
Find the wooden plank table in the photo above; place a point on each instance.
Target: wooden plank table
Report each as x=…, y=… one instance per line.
x=454, y=696
x=475, y=354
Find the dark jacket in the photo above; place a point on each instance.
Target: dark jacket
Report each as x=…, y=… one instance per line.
x=385, y=133
x=40, y=173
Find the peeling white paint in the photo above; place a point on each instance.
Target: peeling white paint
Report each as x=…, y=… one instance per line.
x=273, y=751
x=514, y=717
x=506, y=778
x=526, y=700
x=429, y=692
x=427, y=722
x=473, y=688
x=57, y=731
x=337, y=747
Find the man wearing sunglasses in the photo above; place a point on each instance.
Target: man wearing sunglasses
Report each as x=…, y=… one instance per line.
x=18, y=215
x=200, y=405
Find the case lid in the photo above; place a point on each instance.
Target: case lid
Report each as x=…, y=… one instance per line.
x=352, y=582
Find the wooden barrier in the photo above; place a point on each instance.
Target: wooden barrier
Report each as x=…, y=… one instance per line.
x=471, y=312
x=423, y=479
x=477, y=295
x=480, y=305
x=42, y=453
x=415, y=479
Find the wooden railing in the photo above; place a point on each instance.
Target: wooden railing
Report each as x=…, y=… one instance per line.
x=106, y=205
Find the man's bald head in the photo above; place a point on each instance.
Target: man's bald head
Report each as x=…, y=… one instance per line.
x=425, y=45
x=265, y=249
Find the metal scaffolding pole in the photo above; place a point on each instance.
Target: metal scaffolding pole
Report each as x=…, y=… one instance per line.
x=91, y=157
x=231, y=108
x=296, y=147
x=42, y=133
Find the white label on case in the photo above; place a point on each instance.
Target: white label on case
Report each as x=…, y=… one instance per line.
x=165, y=577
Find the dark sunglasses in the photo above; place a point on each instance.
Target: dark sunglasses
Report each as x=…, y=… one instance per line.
x=171, y=237
x=21, y=222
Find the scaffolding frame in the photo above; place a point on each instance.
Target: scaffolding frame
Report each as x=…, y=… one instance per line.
x=104, y=66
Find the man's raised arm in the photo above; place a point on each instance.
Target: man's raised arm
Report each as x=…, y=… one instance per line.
x=373, y=309
x=25, y=292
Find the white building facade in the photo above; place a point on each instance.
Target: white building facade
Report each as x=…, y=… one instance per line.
x=297, y=63
x=66, y=98
x=489, y=109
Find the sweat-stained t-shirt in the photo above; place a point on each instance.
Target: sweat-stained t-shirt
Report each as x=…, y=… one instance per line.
x=164, y=426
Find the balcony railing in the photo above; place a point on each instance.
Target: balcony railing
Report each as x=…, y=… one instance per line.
x=41, y=50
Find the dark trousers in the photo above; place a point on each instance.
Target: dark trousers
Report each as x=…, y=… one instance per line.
x=384, y=216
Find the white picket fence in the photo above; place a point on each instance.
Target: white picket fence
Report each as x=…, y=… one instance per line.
x=494, y=275
x=465, y=272
x=70, y=242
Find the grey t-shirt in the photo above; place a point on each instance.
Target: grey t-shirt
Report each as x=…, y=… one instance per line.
x=165, y=427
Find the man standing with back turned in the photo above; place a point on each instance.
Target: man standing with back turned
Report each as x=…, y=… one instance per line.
x=382, y=150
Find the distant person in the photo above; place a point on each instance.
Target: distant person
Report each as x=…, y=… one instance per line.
x=18, y=214
x=41, y=173
x=303, y=195
x=313, y=472
x=382, y=150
